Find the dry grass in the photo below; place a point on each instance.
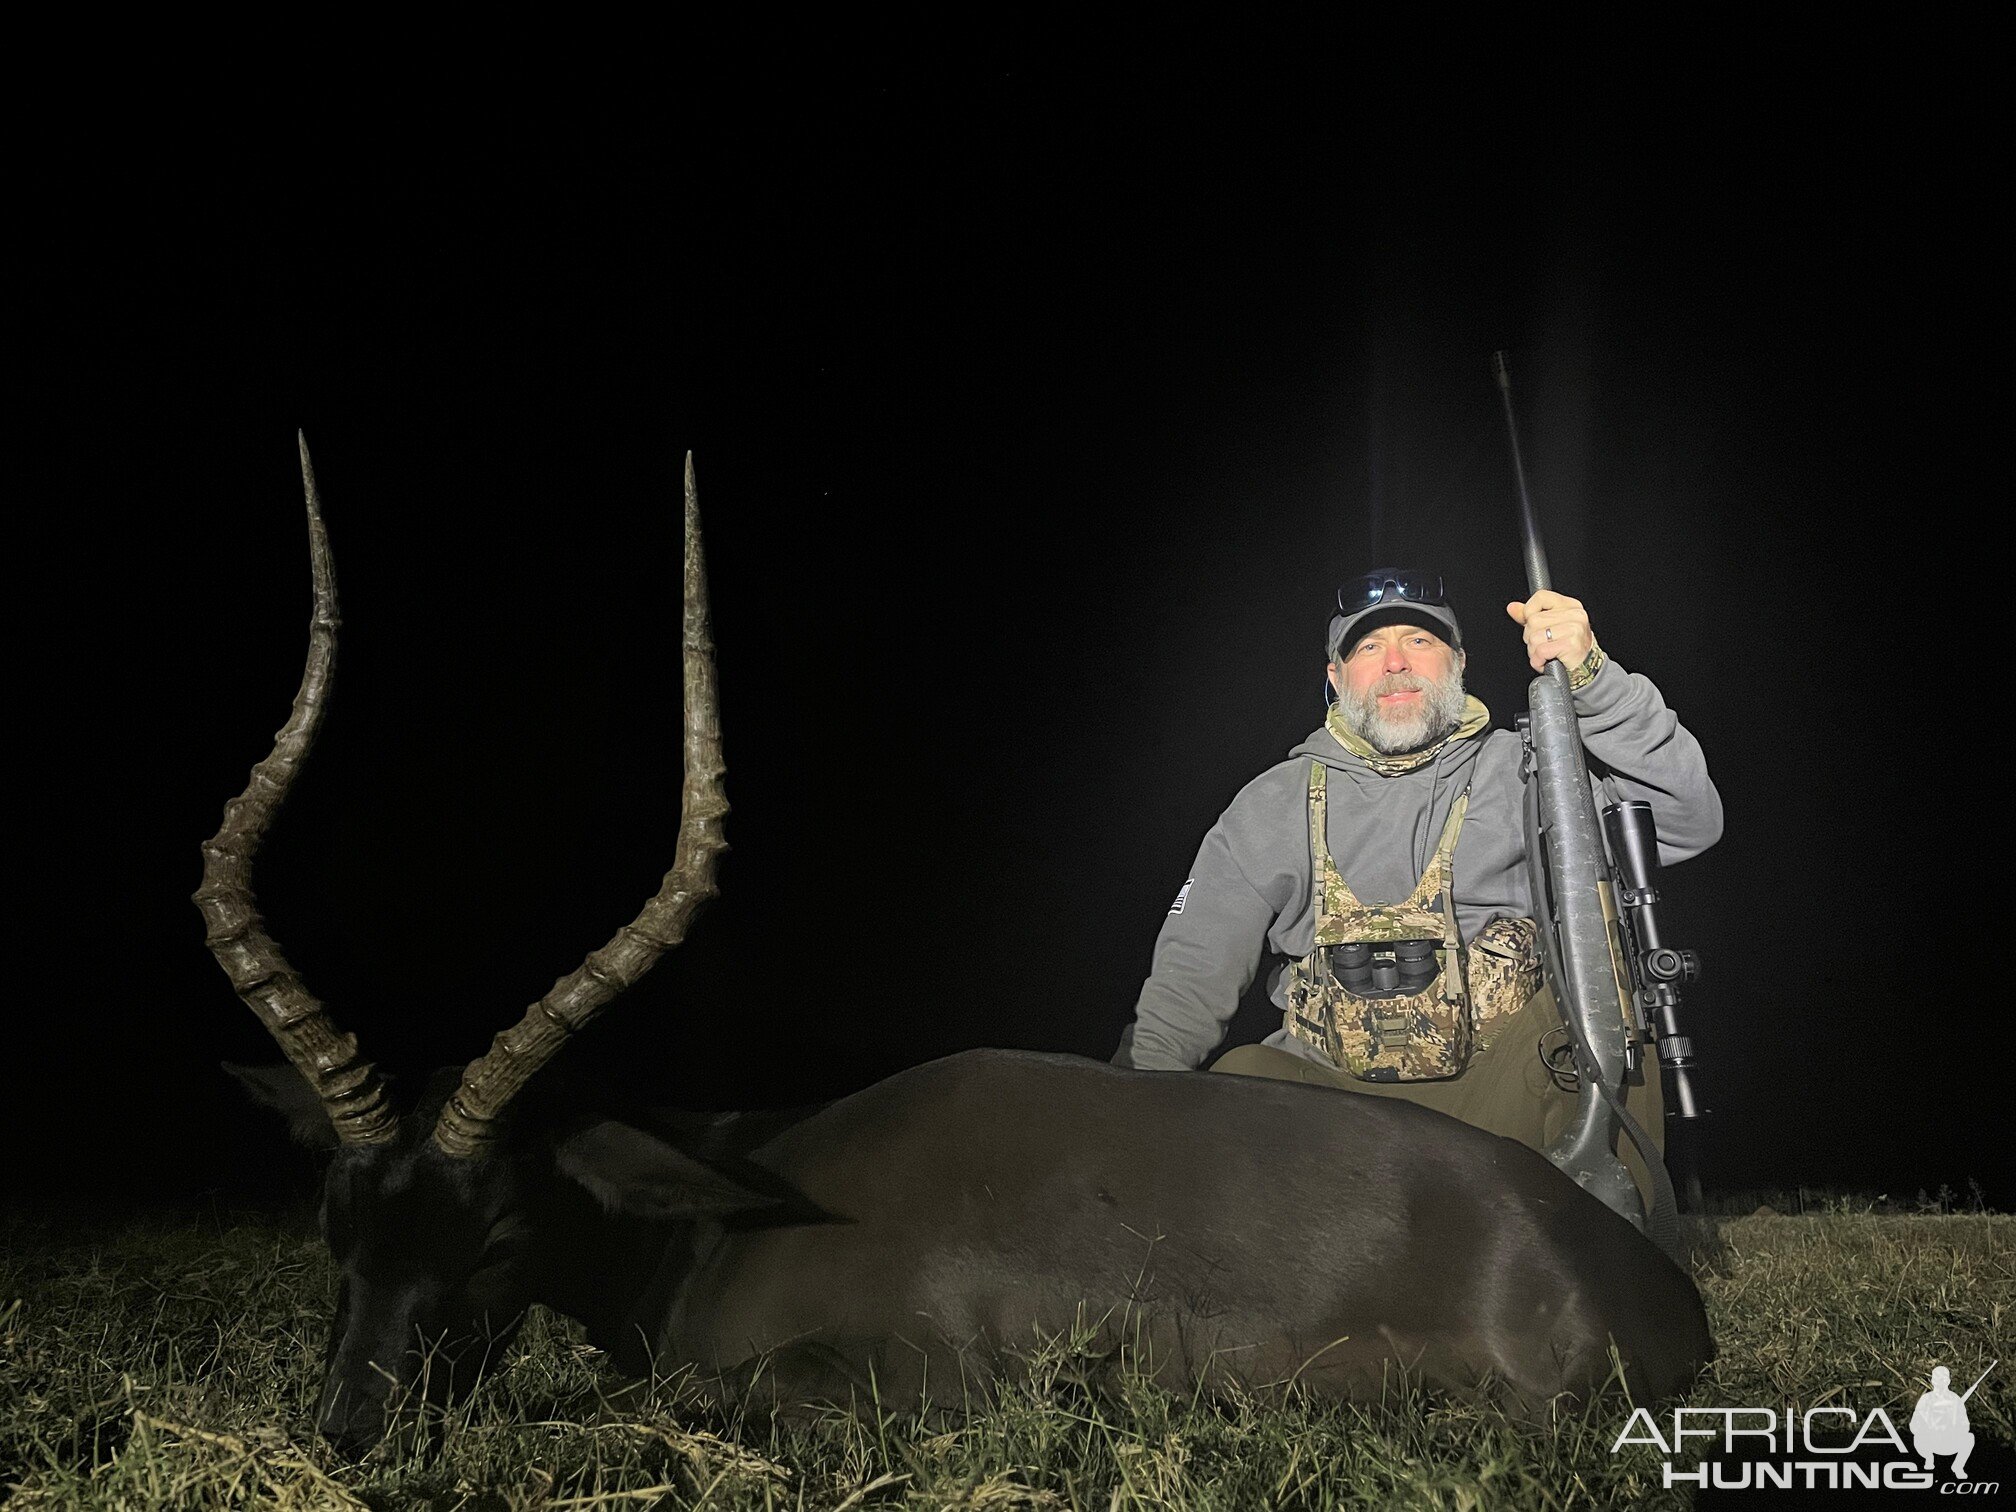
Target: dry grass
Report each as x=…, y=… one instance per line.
x=174, y=1365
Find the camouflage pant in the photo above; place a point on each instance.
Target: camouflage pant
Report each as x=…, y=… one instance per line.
x=1505, y=1090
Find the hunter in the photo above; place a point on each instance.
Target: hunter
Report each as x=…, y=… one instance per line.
x=1383, y=867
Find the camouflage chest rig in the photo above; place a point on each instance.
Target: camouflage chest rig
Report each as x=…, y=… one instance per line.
x=1390, y=992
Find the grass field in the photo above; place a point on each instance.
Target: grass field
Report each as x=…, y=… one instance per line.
x=175, y=1364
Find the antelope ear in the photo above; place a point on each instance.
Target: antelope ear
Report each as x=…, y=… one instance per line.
x=632, y=1172
x=282, y=1089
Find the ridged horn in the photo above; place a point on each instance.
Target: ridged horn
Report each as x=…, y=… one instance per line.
x=470, y=1122
x=348, y=1085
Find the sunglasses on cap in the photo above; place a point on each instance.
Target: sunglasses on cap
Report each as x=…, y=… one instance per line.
x=1390, y=585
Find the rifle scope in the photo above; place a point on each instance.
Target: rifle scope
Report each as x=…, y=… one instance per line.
x=1657, y=968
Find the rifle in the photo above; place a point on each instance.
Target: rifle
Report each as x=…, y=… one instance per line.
x=1606, y=968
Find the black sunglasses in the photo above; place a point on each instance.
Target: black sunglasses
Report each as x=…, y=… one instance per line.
x=1390, y=585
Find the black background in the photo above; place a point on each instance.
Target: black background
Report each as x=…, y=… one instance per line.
x=1040, y=395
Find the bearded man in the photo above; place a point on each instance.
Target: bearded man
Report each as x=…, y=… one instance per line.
x=1383, y=867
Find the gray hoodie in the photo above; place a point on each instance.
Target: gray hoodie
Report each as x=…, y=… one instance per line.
x=1250, y=884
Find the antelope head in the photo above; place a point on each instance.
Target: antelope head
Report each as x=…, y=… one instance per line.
x=430, y=1217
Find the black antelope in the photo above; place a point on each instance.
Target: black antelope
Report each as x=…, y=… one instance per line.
x=909, y=1239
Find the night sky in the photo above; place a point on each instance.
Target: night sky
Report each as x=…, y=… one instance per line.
x=1037, y=412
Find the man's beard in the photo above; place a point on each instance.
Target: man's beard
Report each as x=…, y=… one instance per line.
x=1406, y=727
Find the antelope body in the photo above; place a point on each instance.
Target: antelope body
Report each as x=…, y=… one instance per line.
x=903, y=1244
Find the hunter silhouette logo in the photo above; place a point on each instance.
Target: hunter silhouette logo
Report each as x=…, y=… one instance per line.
x=1766, y=1448
x=1939, y=1422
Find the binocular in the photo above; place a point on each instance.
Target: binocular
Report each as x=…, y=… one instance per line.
x=1397, y=968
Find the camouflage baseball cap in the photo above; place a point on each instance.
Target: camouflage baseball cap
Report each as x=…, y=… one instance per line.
x=1391, y=596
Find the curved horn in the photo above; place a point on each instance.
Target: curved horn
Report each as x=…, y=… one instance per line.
x=348, y=1085
x=469, y=1122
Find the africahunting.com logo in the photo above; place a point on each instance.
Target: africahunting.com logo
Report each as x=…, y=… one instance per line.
x=1824, y=1448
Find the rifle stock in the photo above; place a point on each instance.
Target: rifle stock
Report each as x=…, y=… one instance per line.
x=1590, y=978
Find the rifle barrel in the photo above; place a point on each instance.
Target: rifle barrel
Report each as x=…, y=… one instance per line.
x=1978, y=1380
x=1537, y=575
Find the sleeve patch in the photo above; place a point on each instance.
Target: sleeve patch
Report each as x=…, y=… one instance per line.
x=1182, y=897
